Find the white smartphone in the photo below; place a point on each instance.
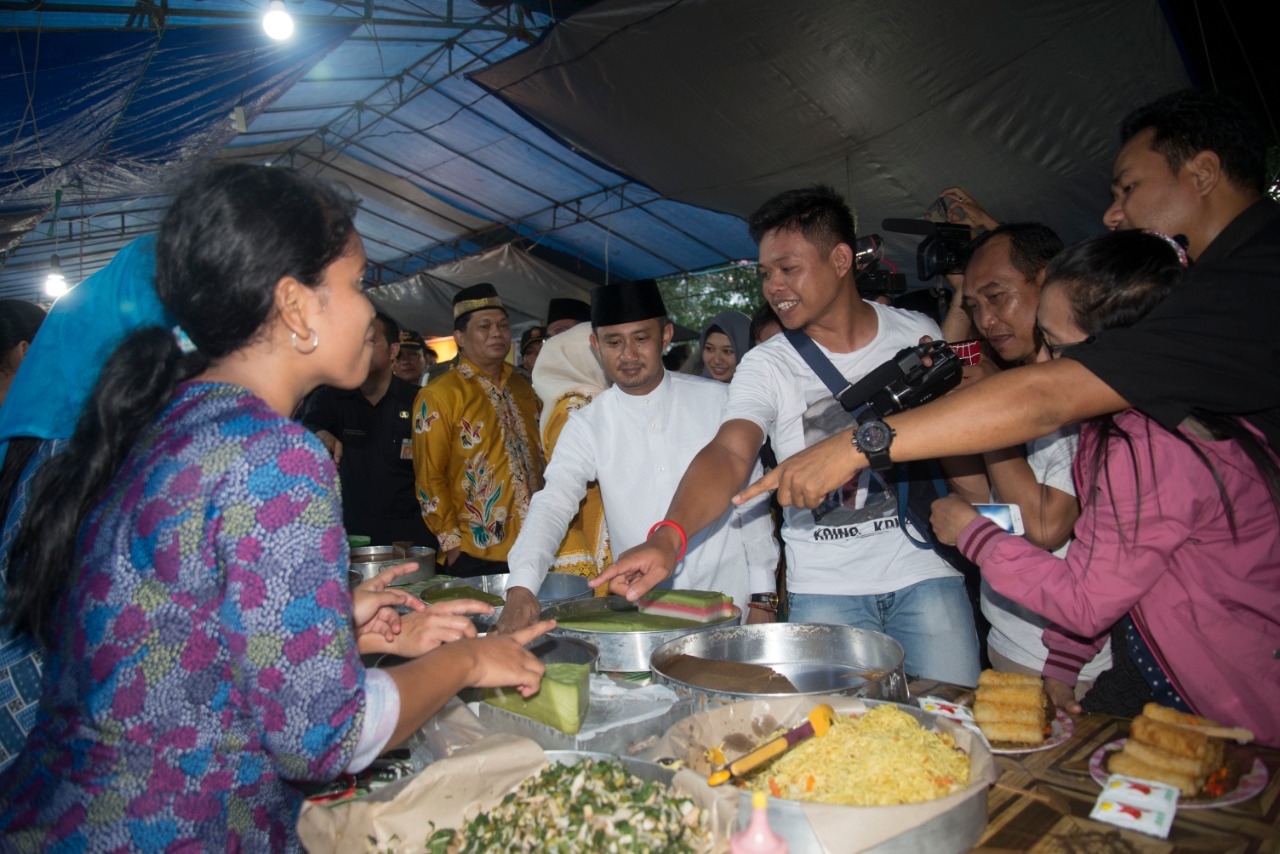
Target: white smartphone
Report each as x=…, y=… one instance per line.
x=1007, y=516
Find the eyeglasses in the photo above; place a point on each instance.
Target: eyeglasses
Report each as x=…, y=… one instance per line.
x=1056, y=350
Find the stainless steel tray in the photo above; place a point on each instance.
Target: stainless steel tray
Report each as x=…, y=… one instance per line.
x=627, y=652
x=818, y=659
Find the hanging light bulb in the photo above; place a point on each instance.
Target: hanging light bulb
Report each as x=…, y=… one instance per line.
x=55, y=285
x=277, y=23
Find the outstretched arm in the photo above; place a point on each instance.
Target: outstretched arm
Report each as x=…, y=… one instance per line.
x=1006, y=410
x=716, y=473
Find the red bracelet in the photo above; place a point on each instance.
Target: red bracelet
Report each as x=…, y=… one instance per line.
x=684, y=541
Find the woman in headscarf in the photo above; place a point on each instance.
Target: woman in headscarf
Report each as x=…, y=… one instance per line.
x=724, y=342
x=58, y=372
x=566, y=377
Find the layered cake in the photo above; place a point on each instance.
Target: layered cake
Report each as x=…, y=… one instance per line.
x=699, y=606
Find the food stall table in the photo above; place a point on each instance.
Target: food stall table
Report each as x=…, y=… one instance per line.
x=1042, y=800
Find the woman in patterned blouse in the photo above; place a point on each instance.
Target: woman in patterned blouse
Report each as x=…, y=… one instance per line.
x=183, y=563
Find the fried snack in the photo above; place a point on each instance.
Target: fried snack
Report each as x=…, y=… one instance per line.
x=1163, y=759
x=1010, y=707
x=1127, y=764
x=993, y=678
x=1166, y=715
x=1007, y=713
x=1176, y=740
x=1013, y=695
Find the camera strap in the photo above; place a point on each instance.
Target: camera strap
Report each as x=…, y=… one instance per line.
x=843, y=391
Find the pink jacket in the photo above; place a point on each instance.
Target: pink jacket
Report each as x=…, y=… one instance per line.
x=1153, y=540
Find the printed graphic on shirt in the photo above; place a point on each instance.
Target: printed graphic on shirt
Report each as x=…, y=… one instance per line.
x=470, y=435
x=481, y=512
x=865, y=506
x=423, y=420
x=427, y=504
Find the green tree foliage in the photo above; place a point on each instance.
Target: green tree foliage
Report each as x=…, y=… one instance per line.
x=692, y=299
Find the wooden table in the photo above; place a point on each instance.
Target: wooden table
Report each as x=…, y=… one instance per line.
x=1054, y=816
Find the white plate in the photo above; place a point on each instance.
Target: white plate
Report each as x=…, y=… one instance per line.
x=1249, y=785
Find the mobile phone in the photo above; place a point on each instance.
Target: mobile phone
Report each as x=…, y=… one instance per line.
x=1007, y=516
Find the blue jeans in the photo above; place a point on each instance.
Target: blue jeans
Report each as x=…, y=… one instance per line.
x=932, y=619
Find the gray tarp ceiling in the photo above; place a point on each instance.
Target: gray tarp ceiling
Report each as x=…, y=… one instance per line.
x=640, y=109
x=1019, y=103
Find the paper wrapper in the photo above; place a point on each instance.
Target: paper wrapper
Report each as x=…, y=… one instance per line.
x=743, y=726
x=449, y=792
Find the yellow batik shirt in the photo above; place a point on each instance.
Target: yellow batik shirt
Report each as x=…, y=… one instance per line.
x=476, y=458
x=585, y=548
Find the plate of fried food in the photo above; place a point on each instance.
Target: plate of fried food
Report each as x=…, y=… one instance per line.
x=1012, y=711
x=1188, y=752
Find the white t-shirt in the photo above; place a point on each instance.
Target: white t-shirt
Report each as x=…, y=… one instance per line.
x=637, y=447
x=856, y=548
x=1016, y=631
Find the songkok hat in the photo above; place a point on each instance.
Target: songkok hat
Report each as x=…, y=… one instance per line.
x=475, y=298
x=567, y=308
x=532, y=336
x=626, y=303
x=410, y=340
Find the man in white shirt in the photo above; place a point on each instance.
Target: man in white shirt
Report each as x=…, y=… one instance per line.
x=636, y=439
x=850, y=562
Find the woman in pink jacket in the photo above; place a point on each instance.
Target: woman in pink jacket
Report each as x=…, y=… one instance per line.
x=1180, y=528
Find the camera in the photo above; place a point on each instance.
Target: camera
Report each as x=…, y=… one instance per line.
x=901, y=383
x=905, y=381
x=872, y=279
x=943, y=248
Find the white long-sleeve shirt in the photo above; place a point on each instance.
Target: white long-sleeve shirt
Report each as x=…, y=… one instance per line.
x=637, y=447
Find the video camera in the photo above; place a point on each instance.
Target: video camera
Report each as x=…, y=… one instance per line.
x=873, y=280
x=943, y=248
x=904, y=382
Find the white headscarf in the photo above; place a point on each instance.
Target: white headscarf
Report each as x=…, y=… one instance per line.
x=567, y=365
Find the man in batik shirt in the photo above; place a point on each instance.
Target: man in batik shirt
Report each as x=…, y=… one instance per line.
x=476, y=456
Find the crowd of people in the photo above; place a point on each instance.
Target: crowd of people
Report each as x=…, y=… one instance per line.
x=182, y=646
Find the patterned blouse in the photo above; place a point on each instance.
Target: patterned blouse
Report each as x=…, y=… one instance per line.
x=207, y=653
x=476, y=458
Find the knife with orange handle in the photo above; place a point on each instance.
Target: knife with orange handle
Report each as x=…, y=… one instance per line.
x=817, y=725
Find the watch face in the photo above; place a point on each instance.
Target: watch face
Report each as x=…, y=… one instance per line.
x=874, y=436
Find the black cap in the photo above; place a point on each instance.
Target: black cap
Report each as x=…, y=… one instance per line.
x=475, y=298
x=410, y=340
x=567, y=308
x=532, y=335
x=626, y=303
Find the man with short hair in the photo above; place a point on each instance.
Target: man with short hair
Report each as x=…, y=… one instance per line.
x=565, y=313
x=1003, y=276
x=369, y=433
x=853, y=562
x=530, y=347
x=1193, y=163
x=475, y=446
x=636, y=439
x=410, y=364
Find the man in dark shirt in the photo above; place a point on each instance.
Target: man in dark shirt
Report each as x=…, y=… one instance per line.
x=369, y=431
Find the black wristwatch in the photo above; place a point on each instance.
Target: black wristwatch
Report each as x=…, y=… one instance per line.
x=873, y=438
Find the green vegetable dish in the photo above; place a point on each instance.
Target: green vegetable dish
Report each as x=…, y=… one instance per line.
x=593, y=806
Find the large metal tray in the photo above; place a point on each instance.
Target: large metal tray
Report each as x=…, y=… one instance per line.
x=954, y=830
x=627, y=652
x=557, y=588
x=818, y=658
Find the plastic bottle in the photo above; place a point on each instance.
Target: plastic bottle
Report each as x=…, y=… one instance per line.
x=758, y=838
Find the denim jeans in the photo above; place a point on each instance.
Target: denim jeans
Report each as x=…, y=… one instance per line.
x=932, y=619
